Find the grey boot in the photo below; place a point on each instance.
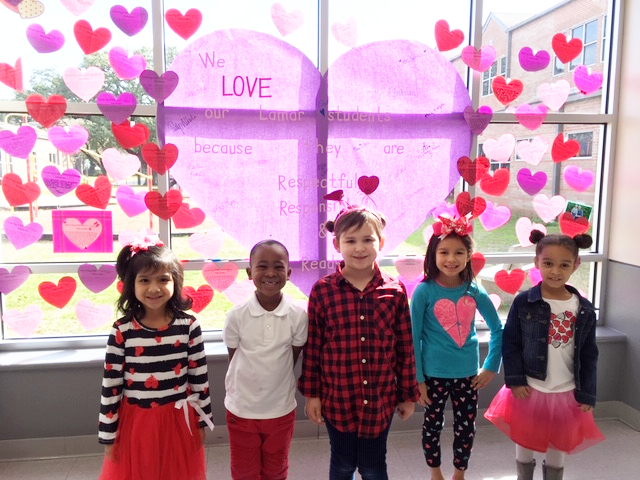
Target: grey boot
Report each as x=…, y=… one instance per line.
x=550, y=473
x=525, y=470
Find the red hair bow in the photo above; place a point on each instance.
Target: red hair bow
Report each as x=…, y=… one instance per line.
x=447, y=225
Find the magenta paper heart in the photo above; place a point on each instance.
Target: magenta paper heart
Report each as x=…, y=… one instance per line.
x=553, y=95
x=120, y=166
x=445, y=208
x=19, y=144
x=85, y=84
x=531, y=183
x=207, y=244
x=77, y=7
x=95, y=278
x=130, y=23
x=132, y=203
x=478, y=120
x=577, y=178
x=126, y=67
x=240, y=291
x=586, y=82
x=524, y=226
x=499, y=150
x=535, y=276
x=531, y=117
x=23, y=322
x=410, y=268
x=21, y=235
x=286, y=22
x=127, y=237
x=409, y=285
x=220, y=277
x=533, y=62
x=533, y=151
x=494, y=216
x=60, y=183
x=13, y=3
x=10, y=280
x=117, y=110
x=456, y=318
x=44, y=42
x=478, y=60
x=347, y=34
x=548, y=208
x=159, y=87
x=92, y=316
x=68, y=140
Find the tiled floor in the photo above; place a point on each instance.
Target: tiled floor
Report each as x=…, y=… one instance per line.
x=617, y=458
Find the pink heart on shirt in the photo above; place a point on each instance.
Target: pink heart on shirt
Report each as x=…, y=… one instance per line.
x=456, y=318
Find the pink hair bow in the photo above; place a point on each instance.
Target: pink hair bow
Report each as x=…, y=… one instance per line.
x=143, y=242
x=448, y=225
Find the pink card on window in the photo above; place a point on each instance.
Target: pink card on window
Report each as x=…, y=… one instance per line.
x=82, y=231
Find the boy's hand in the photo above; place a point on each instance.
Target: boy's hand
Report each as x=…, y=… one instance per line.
x=313, y=410
x=424, y=395
x=406, y=409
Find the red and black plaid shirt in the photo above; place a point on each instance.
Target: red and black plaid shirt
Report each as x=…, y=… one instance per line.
x=359, y=357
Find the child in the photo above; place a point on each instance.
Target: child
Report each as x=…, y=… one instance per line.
x=264, y=336
x=443, y=309
x=358, y=365
x=550, y=357
x=155, y=375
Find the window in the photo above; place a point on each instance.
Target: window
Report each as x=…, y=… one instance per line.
x=491, y=73
x=588, y=33
x=585, y=139
x=603, y=46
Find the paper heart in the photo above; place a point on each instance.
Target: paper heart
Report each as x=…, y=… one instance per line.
x=19, y=144
x=120, y=166
x=494, y=216
x=465, y=204
x=238, y=292
x=478, y=120
x=478, y=60
x=497, y=184
x=533, y=62
x=60, y=294
x=587, y=82
x=531, y=183
x=533, y=151
x=578, y=179
x=524, y=227
x=117, y=110
x=30, y=9
x=447, y=39
x=531, y=117
x=553, y=95
x=11, y=280
x=499, y=150
x=132, y=203
x=506, y=92
x=18, y=193
x=46, y=111
x=548, y=208
x=82, y=235
x=220, y=277
x=561, y=150
x=187, y=217
x=127, y=237
x=409, y=285
x=207, y=244
x=368, y=185
x=510, y=282
x=90, y=40
x=566, y=51
x=77, y=7
x=92, y=316
x=165, y=206
x=129, y=135
x=477, y=262
x=160, y=159
x=411, y=268
x=201, y=297
x=44, y=42
x=473, y=170
x=571, y=226
x=346, y=35
x=97, y=196
x=130, y=23
x=23, y=322
x=456, y=318
x=85, y=84
x=98, y=278
x=68, y=140
x=427, y=233
x=126, y=67
x=286, y=22
x=21, y=235
x=445, y=209
x=11, y=4
x=184, y=25
x=535, y=276
x=60, y=183
x=12, y=76
x=159, y=87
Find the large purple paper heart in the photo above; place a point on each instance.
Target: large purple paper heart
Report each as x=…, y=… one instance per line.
x=117, y=110
x=126, y=67
x=97, y=279
x=578, y=179
x=159, y=87
x=531, y=62
x=132, y=203
x=21, y=235
x=9, y=281
x=70, y=139
x=14, y=3
x=60, y=183
x=44, y=42
x=478, y=120
x=531, y=183
x=19, y=144
x=130, y=23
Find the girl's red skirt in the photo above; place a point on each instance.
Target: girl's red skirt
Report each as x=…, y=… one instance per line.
x=544, y=420
x=155, y=444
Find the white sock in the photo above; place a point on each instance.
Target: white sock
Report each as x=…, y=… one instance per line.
x=555, y=458
x=523, y=455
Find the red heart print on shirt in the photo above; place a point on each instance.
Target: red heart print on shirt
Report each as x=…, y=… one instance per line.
x=561, y=328
x=456, y=318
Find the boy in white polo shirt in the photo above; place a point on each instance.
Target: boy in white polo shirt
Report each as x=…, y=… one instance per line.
x=264, y=336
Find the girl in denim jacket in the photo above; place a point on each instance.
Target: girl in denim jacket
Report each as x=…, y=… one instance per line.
x=550, y=356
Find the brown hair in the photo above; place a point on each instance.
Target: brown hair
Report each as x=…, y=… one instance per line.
x=356, y=217
x=572, y=244
x=430, y=268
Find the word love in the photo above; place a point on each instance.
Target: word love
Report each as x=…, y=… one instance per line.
x=241, y=85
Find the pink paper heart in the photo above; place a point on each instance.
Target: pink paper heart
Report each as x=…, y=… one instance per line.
x=19, y=144
x=126, y=237
x=553, y=95
x=533, y=151
x=238, y=292
x=531, y=183
x=585, y=81
x=92, y=316
x=409, y=285
x=286, y=22
x=347, y=34
x=98, y=278
x=533, y=62
x=60, y=183
x=499, y=150
x=132, y=203
x=444, y=209
x=130, y=23
x=68, y=140
x=23, y=322
x=81, y=234
x=524, y=226
x=117, y=110
x=21, y=235
x=126, y=67
x=120, y=166
x=77, y=7
x=220, y=278
x=159, y=87
x=496, y=300
x=548, y=208
x=44, y=42
x=85, y=84
x=494, y=216
x=411, y=268
x=478, y=60
x=427, y=233
x=535, y=276
x=207, y=244
x=11, y=280
x=478, y=120
x=456, y=318
x=531, y=117
x=577, y=178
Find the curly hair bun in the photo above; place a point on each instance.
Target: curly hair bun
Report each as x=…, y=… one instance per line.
x=330, y=226
x=583, y=241
x=535, y=236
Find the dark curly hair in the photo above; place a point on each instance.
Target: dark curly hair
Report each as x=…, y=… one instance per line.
x=572, y=244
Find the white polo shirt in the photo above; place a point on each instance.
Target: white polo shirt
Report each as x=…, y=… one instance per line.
x=260, y=382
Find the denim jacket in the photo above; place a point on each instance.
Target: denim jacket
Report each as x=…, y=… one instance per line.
x=525, y=343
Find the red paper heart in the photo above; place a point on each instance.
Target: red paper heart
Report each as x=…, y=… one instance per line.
x=165, y=206
x=119, y=286
x=473, y=170
x=497, y=184
x=505, y=92
x=445, y=38
x=336, y=196
x=18, y=193
x=566, y=51
x=184, y=25
x=12, y=76
x=477, y=262
x=571, y=226
x=46, y=112
x=368, y=185
x=160, y=159
x=561, y=150
x=510, y=282
x=95, y=197
x=58, y=295
x=130, y=136
x=465, y=204
x=201, y=297
x=90, y=40
x=187, y=217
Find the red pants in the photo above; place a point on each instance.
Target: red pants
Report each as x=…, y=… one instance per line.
x=260, y=448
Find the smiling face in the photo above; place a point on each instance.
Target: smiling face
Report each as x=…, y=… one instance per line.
x=154, y=289
x=452, y=257
x=556, y=264
x=359, y=248
x=269, y=271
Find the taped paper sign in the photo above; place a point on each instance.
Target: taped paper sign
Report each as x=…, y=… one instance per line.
x=82, y=231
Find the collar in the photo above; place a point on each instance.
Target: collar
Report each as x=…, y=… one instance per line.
x=535, y=293
x=376, y=281
x=257, y=310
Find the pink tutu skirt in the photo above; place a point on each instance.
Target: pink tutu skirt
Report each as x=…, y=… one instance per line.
x=155, y=444
x=544, y=420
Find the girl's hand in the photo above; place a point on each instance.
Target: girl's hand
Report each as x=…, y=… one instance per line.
x=203, y=434
x=586, y=408
x=482, y=379
x=424, y=394
x=109, y=452
x=406, y=409
x=521, y=392
x=313, y=410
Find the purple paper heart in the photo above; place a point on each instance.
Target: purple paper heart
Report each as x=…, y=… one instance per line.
x=44, y=42
x=129, y=23
x=9, y=281
x=131, y=203
x=531, y=184
x=97, y=279
x=14, y=3
x=159, y=87
x=126, y=67
x=117, y=110
x=18, y=144
x=478, y=120
x=60, y=183
x=68, y=140
x=531, y=62
x=21, y=235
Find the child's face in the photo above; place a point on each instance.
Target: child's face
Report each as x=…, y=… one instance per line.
x=359, y=247
x=269, y=270
x=452, y=257
x=556, y=264
x=154, y=289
